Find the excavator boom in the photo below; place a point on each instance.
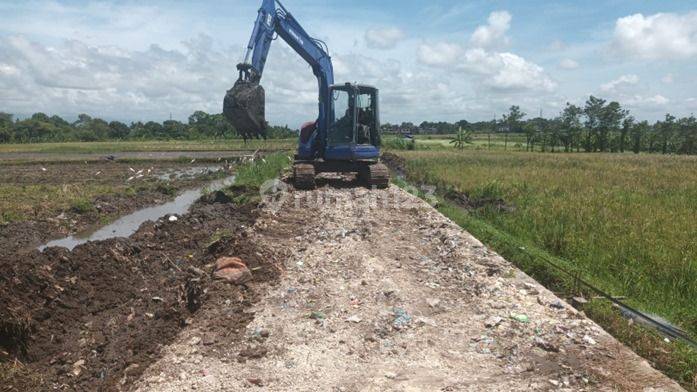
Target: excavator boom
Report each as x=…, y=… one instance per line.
x=244, y=103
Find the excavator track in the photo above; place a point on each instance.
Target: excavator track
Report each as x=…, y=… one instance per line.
x=376, y=175
x=304, y=176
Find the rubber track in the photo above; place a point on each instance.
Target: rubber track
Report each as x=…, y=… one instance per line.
x=304, y=176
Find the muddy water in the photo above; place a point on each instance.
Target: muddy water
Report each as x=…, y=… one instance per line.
x=129, y=224
x=189, y=172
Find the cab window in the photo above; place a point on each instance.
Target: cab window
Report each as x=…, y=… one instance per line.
x=341, y=129
x=366, y=125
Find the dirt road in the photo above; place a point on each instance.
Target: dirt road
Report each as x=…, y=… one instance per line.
x=379, y=292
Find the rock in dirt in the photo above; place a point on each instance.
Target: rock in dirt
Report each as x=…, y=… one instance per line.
x=216, y=197
x=229, y=262
x=546, y=345
x=233, y=270
x=354, y=319
x=234, y=275
x=492, y=321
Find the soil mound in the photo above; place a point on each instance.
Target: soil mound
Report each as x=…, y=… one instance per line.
x=94, y=318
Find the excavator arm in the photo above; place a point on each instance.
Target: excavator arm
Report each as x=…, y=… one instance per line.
x=244, y=103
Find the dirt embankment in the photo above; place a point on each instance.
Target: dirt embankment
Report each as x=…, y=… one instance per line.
x=96, y=317
x=381, y=292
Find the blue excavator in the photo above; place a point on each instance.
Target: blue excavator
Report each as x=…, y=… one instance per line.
x=345, y=138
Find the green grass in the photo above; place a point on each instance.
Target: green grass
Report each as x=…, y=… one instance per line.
x=494, y=142
x=250, y=176
x=81, y=205
x=145, y=146
x=19, y=202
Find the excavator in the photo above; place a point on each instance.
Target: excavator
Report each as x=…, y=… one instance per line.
x=345, y=137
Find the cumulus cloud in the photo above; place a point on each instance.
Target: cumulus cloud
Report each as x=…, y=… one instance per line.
x=494, y=32
x=489, y=70
x=116, y=83
x=568, y=64
x=506, y=71
x=620, y=83
x=383, y=38
x=439, y=54
x=658, y=36
x=501, y=71
x=74, y=77
x=651, y=101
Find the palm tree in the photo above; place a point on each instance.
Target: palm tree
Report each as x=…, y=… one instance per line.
x=461, y=138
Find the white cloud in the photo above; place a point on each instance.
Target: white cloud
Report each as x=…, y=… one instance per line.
x=6, y=69
x=507, y=71
x=489, y=70
x=646, y=101
x=620, y=83
x=659, y=36
x=667, y=79
x=568, y=64
x=383, y=38
x=118, y=83
x=439, y=54
x=493, y=70
x=494, y=32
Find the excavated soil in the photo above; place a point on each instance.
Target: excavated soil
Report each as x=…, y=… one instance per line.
x=96, y=317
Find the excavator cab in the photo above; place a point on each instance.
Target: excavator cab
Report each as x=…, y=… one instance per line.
x=353, y=132
x=351, y=142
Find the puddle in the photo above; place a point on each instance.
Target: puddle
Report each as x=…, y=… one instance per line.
x=189, y=172
x=129, y=224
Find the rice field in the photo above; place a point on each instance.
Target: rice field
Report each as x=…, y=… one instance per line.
x=629, y=222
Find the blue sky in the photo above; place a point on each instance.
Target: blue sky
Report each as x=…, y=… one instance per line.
x=436, y=60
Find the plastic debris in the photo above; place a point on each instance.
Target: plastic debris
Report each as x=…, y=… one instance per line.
x=521, y=318
x=402, y=318
x=317, y=315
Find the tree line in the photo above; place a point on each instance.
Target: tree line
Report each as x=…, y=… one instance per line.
x=597, y=126
x=602, y=126
x=43, y=128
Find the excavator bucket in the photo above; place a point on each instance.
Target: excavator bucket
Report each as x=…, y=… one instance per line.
x=243, y=106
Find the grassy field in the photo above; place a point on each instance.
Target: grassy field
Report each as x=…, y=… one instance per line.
x=494, y=142
x=628, y=222
x=145, y=146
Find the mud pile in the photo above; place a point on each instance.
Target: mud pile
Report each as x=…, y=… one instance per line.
x=94, y=318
